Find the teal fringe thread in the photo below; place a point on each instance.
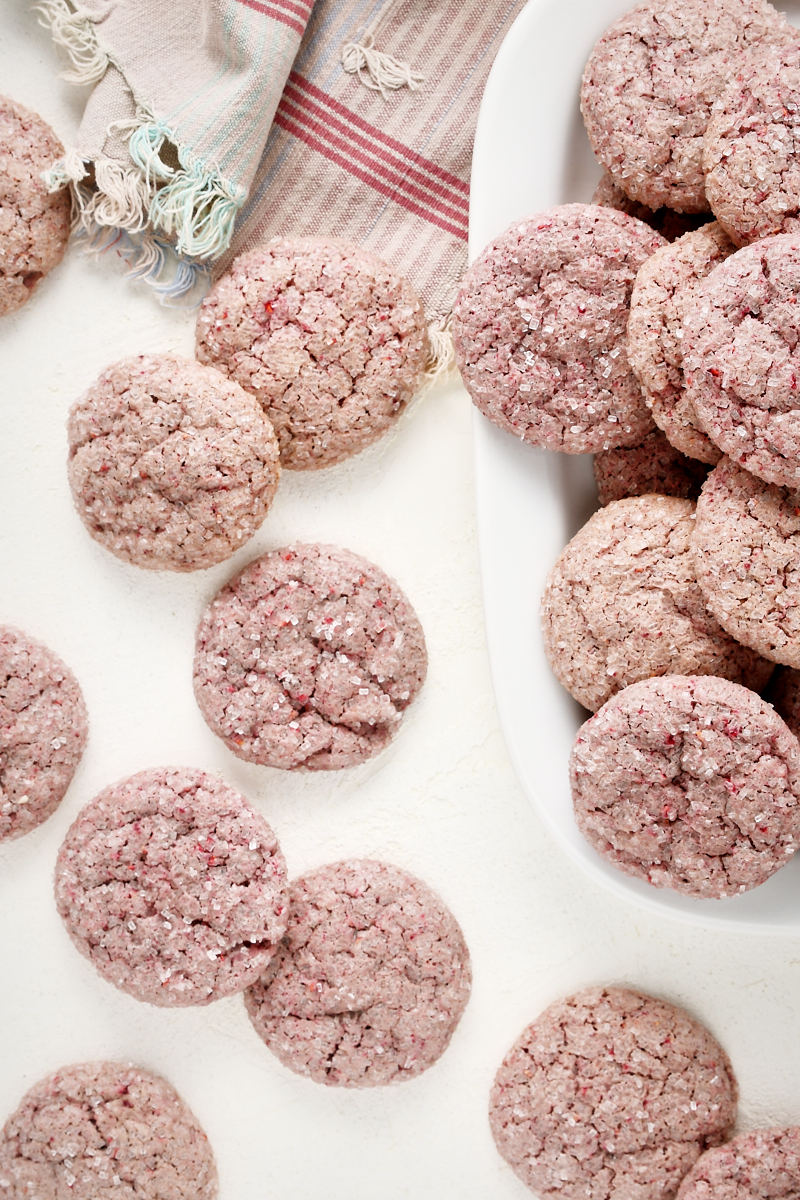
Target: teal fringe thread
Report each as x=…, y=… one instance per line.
x=195, y=206
x=176, y=283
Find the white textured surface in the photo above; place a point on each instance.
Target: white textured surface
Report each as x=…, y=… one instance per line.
x=443, y=802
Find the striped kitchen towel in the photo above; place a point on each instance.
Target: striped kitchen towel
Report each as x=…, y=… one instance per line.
x=184, y=96
x=372, y=139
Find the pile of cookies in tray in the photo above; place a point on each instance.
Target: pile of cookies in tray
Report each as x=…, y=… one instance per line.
x=666, y=342
x=583, y=329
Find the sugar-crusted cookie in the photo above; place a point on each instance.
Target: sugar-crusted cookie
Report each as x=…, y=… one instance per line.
x=670, y=224
x=742, y=361
x=173, y=887
x=308, y=658
x=611, y=1093
x=751, y=154
x=327, y=336
x=540, y=329
x=105, y=1131
x=759, y=1165
x=34, y=225
x=172, y=465
x=370, y=980
x=747, y=559
x=650, y=83
x=653, y=465
x=665, y=289
x=44, y=727
x=689, y=782
x=622, y=604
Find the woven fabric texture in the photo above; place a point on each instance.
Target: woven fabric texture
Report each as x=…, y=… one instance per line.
x=184, y=97
x=389, y=169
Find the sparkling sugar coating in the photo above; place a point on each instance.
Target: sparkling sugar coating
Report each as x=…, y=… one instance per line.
x=689, y=782
x=34, y=225
x=369, y=982
x=746, y=547
x=650, y=83
x=173, y=887
x=622, y=604
x=43, y=730
x=654, y=465
x=540, y=329
x=763, y=1164
x=327, y=336
x=665, y=289
x=751, y=149
x=308, y=658
x=172, y=465
x=611, y=1094
x=105, y=1131
x=741, y=357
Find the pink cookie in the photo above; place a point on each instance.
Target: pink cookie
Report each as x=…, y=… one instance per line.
x=43, y=728
x=105, y=1131
x=742, y=359
x=328, y=337
x=747, y=559
x=172, y=465
x=654, y=465
x=670, y=224
x=308, y=658
x=173, y=887
x=540, y=329
x=611, y=1093
x=763, y=1164
x=369, y=982
x=650, y=83
x=665, y=289
x=34, y=226
x=751, y=154
x=689, y=782
x=622, y=604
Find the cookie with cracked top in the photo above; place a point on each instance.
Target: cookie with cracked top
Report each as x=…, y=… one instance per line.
x=173, y=887
x=665, y=289
x=741, y=357
x=34, y=224
x=327, y=336
x=172, y=466
x=650, y=83
x=370, y=980
x=747, y=559
x=44, y=729
x=103, y=1130
x=608, y=1093
x=689, y=782
x=540, y=329
x=750, y=148
x=622, y=604
x=308, y=658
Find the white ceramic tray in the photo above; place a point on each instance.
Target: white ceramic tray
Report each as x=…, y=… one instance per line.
x=531, y=152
